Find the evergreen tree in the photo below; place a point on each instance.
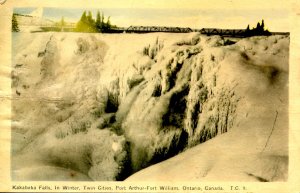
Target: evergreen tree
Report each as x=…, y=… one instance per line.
x=108, y=24
x=265, y=31
x=248, y=31
x=90, y=18
x=102, y=19
x=98, y=22
x=258, y=27
x=86, y=23
x=15, y=26
x=248, y=28
x=262, y=25
x=91, y=23
x=83, y=17
x=258, y=30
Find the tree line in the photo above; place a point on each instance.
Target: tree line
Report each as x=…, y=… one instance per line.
x=14, y=24
x=88, y=24
x=258, y=30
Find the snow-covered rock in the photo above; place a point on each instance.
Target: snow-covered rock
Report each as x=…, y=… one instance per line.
x=109, y=105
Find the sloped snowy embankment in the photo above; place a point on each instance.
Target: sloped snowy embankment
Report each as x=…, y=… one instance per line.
x=101, y=107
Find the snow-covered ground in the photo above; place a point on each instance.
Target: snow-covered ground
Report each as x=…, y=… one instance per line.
x=105, y=106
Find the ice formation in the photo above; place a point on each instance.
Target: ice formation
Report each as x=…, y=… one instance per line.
x=104, y=106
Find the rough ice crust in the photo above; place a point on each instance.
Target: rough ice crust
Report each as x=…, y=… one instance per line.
x=102, y=107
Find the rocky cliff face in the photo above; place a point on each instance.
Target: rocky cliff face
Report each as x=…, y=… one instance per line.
x=102, y=107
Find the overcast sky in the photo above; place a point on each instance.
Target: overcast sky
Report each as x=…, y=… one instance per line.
x=194, y=14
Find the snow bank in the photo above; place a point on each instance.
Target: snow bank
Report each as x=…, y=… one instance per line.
x=105, y=106
x=254, y=75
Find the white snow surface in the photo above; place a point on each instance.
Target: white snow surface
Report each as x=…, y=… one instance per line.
x=182, y=106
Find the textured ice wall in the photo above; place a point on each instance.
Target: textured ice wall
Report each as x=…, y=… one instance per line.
x=109, y=105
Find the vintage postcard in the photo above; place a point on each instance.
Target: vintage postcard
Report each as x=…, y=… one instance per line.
x=149, y=96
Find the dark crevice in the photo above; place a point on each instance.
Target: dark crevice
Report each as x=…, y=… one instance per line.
x=177, y=145
x=176, y=111
x=195, y=115
x=205, y=134
x=260, y=179
x=228, y=42
x=106, y=120
x=135, y=81
x=157, y=91
x=210, y=129
x=271, y=72
x=112, y=105
x=125, y=168
x=245, y=56
x=173, y=76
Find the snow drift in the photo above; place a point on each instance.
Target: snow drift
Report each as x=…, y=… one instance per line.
x=102, y=107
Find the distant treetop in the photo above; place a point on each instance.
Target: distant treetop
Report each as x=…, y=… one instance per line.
x=88, y=24
x=258, y=30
